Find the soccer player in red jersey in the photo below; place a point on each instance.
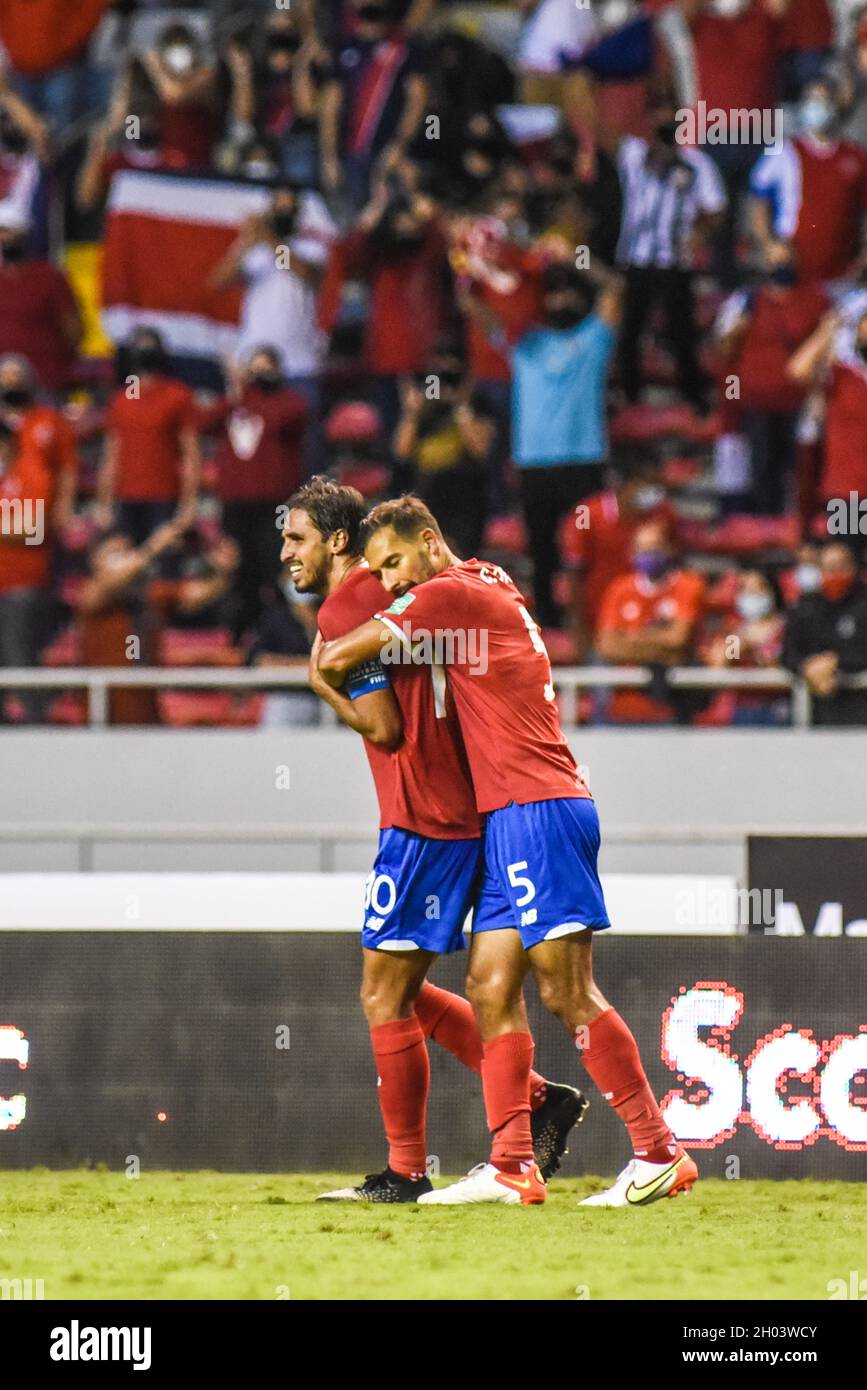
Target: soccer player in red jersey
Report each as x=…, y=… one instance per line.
x=423, y=881
x=541, y=844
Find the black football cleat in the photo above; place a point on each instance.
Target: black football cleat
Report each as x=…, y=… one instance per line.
x=562, y=1108
x=387, y=1186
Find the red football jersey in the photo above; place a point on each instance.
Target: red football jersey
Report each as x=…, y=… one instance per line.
x=471, y=622
x=425, y=786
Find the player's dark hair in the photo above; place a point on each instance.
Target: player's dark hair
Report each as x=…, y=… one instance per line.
x=331, y=508
x=406, y=515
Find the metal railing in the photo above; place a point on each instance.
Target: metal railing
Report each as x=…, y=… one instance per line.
x=326, y=837
x=569, y=681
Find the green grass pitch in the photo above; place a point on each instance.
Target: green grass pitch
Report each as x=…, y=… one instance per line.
x=97, y=1234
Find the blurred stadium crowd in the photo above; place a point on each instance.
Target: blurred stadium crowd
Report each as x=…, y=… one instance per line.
x=457, y=248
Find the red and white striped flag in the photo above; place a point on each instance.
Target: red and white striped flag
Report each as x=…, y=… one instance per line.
x=164, y=236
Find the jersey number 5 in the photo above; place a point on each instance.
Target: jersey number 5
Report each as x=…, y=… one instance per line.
x=519, y=881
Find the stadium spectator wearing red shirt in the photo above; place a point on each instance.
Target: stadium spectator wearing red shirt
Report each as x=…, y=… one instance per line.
x=39, y=316
x=399, y=248
x=649, y=617
x=750, y=634
x=835, y=358
x=736, y=47
x=758, y=331
x=43, y=431
x=151, y=462
x=374, y=101
x=597, y=538
x=258, y=458
x=186, y=87
x=26, y=501
x=813, y=191
x=112, y=148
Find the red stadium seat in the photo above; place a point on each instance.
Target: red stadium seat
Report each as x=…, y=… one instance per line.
x=186, y=709
x=743, y=535
x=199, y=647
x=506, y=533
x=648, y=422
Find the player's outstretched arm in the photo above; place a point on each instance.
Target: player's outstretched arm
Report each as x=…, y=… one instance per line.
x=342, y=654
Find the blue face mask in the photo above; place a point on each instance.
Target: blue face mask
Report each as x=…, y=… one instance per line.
x=653, y=564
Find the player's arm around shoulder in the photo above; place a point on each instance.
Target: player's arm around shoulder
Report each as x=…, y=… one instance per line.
x=342, y=654
x=374, y=713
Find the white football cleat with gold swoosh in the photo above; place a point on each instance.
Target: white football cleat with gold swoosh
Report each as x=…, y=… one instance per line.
x=641, y=1183
x=485, y=1183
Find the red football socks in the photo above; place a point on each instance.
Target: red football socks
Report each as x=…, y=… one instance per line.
x=611, y=1057
x=449, y=1021
x=403, y=1066
x=505, y=1081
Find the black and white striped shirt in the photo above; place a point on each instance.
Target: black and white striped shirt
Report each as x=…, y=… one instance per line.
x=661, y=203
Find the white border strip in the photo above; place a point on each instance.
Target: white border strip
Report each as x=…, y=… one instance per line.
x=185, y=200
x=637, y=903
x=191, y=335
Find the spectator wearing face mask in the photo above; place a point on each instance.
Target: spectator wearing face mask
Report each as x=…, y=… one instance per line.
x=192, y=94
x=805, y=576
x=506, y=278
x=749, y=636
x=834, y=360
x=813, y=191
x=597, y=538
x=650, y=617
x=672, y=201
x=151, y=460
x=26, y=508
x=826, y=638
x=441, y=444
x=279, y=259
x=398, y=248
x=43, y=432
x=287, y=79
x=465, y=110
x=559, y=436
x=373, y=101
x=39, y=316
x=260, y=427
x=758, y=330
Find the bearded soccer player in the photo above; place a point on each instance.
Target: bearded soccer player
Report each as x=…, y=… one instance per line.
x=422, y=884
x=541, y=846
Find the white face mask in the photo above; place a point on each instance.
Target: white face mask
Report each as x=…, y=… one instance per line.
x=259, y=169
x=648, y=497
x=179, y=59
x=816, y=116
x=808, y=578
x=613, y=13
x=753, y=606
x=728, y=9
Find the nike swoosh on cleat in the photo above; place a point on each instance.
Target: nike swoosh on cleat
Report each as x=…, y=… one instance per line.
x=513, y=1182
x=651, y=1187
